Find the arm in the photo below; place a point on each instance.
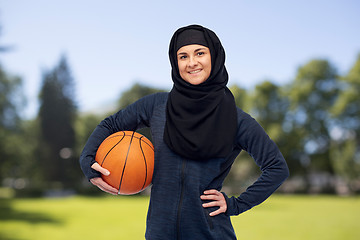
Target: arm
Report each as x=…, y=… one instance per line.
x=135, y=116
x=268, y=157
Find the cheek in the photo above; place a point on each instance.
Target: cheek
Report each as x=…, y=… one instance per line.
x=209, y=69
x=181, y=69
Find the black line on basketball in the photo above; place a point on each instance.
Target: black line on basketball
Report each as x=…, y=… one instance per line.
x=152, y=147
x=121, y=133
x=142, y=151
x=102, y=162
x=127, y=154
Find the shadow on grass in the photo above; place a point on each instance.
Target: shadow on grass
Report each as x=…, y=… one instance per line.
x=8, y=213
x=4, y=237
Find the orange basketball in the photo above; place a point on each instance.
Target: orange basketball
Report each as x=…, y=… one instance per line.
x=129, y=156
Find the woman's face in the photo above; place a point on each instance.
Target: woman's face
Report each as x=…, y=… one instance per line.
x=194, y=62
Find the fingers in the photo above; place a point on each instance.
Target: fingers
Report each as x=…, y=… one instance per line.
x=100, y=183
x=212, y=192
x=216, y=199
x=100, y=169
x=217, y=212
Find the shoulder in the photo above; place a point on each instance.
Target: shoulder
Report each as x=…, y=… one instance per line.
x=156, y=98
x=149, y=102
x=247, y=125
x=243, y=116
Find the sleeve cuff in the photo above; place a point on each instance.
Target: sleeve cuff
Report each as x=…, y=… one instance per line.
x=227, y=204
x=235, y=206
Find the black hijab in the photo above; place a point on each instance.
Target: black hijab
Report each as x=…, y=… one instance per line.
x=201, y=120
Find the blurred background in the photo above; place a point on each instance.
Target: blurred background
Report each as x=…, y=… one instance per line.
x=66, y=65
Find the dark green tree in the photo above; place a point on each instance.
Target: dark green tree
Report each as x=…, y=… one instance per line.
x=16, y=145
x=312, y=93
x=11, y=102
x=85, y=125
x=136, y=92
x=241, y=97
x=57, y=117
x=270, y=106
x=346, y=135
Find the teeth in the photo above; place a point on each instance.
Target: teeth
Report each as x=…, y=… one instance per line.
x=196, y=71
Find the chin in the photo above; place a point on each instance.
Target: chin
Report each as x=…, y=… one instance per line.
x=195, y=81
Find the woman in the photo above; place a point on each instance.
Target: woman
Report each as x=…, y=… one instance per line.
x=197, y=132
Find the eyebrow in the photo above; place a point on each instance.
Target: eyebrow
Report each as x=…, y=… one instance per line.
x=196, y=50
x=199, y=49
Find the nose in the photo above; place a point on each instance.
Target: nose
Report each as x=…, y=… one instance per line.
x=192, y=62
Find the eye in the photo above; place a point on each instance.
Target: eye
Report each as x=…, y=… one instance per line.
x=200, y=53
x=182, y=57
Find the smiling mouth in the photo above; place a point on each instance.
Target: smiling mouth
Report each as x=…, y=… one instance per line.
x=196, y=71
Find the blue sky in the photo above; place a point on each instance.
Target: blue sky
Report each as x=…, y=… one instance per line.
x=112, y=44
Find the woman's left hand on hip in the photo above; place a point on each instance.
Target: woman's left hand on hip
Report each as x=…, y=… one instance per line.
x=216, y=199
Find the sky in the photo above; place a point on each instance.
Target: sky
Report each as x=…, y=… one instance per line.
x=112, y=44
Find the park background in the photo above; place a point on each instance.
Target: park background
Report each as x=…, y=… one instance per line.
x=65, y=65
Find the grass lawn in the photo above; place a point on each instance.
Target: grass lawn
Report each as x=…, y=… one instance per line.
x=280, y=217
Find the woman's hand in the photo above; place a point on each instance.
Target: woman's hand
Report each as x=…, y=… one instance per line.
x=100, y=183
x=216, y=198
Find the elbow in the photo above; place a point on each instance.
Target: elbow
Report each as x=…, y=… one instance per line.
x=284, y=169
x=284, y=173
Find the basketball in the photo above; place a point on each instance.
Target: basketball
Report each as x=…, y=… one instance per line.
x=129, y=156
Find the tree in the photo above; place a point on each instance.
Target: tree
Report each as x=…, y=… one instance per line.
x=312, y=93
x=57, y=117
x=136, y=92
x=244, y=170
x=11, y=101
x=85, y=125
x=346, y=137
x=16, y=144
x=241, y=97
x=269, y=107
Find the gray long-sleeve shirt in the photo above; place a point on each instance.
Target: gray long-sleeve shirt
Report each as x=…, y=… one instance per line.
x=175, y=209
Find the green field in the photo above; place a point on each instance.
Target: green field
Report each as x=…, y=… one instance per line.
x=119, y=217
